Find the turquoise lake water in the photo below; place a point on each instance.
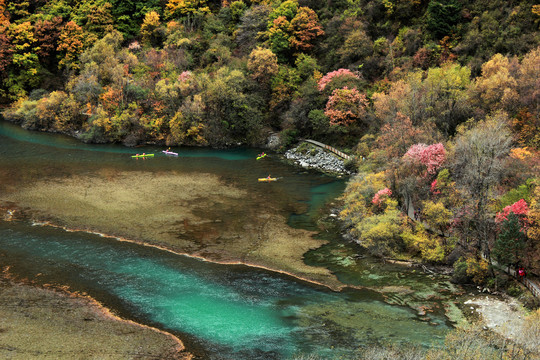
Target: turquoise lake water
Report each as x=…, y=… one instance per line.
x=219, y=311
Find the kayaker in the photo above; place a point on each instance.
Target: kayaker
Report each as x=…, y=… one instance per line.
x=268, y=177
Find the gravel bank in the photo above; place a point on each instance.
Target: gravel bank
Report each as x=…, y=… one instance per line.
x=312, y=157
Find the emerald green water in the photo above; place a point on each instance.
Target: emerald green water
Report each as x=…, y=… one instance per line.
x=219, y=311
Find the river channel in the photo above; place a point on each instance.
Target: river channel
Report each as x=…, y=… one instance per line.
x=220, y=311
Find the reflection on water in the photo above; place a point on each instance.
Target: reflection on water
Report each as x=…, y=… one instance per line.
x=223, y=311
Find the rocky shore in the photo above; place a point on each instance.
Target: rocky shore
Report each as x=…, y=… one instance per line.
x=312, y=157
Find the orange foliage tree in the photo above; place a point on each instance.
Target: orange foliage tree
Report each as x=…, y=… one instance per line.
x=305, y=28
x=70, y=45
x=346, y=106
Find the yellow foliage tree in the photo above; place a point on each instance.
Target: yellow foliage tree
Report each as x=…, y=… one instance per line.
x=149, y=27
x=262, y=64
x=497, y=87
x=430, y=247
x=70, y=45
x=381, y=234
x=189, y=10
x=358, y=194
x=477, y=269
x=436, y=215
x=533, y=230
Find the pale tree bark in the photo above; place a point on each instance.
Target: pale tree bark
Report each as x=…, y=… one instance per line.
x=479, y=158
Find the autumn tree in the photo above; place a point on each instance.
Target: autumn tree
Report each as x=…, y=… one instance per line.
x=190, y=11
x=430, y=156
x=279, y=37
x=149, y=29
x=24, y=59
x=332, y=76
x=70, y=45
x=359, y=194
x=437, y=216
x=381, y=233
x=478, y=162
x=445, y=99
x=527, y=129
x=441, y=97
x=4, y=15
x=533, y=230
x=519, y=208
x=346, y=106
x=47, y=33
x=96, y=17
x=262, y=63
x=372, y=214
x=305, y=28
x=6, y=49
x=99, y=19
x=528, y=80
x=496, y=88
x=187, y=125
x=397, y=135
x=291, y=28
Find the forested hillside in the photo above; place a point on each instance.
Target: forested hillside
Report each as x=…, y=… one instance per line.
x=439, y=100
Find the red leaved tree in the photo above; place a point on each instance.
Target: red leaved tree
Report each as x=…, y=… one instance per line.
x=520, y=208
x=345, y=106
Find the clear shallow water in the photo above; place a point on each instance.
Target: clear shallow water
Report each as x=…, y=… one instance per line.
x=221, y=311
x=228, y=311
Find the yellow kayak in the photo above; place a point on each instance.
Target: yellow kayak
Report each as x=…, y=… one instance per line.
x=142, y=155
x=267, y=179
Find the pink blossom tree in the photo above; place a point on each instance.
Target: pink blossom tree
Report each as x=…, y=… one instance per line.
x=431, y=156
x=185, y=76
x=326, y=79
x=381, y=195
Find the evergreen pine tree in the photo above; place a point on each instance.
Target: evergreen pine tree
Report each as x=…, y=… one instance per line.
x=510, y=242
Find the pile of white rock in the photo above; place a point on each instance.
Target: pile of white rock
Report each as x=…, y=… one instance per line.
x=317, y=158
